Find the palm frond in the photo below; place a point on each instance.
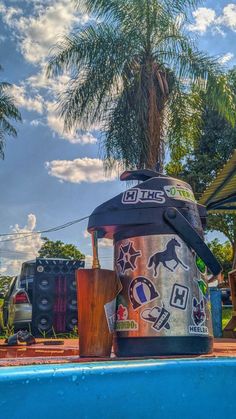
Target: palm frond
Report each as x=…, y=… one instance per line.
x=221, y=97
x=96, y=58
x=7, y=107
x=112, y=10
x=2, y=144
x=8, y=110
x=184, y=115
x=181, y=6
x=129, y=68
x=6, y=127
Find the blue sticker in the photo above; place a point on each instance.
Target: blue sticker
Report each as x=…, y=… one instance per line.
x=142, y=291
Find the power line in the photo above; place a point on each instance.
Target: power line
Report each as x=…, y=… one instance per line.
x=50, y=230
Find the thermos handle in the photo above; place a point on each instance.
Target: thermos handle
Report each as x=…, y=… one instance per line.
x=192, y=238
x=142, y=175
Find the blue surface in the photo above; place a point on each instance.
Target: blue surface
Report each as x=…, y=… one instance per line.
x=216, y=311
x=167, y=389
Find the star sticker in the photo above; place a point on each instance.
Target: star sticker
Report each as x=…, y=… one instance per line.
x=127, y=257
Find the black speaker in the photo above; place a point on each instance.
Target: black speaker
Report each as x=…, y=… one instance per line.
x=54, y=303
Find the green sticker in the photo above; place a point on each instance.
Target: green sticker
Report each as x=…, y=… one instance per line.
x=203, y=287
x=126, y=326
x=200, y=265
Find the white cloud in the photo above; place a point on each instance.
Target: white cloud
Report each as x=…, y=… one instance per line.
x=226, y=58
x=228, y=18
x=105, y=243
x=37, y=33
x=36, y=123
x=15, y=252
x=204, y=18
x=101, y=242
x=57, y=125
x=35, y=103
x=88, y=261
x=9, y=14
x=86, y=234
x=79, y=170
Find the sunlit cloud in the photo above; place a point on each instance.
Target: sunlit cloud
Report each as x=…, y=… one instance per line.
x=206, y=18
x=21, y=247
x=226, y=58
x=80, y=170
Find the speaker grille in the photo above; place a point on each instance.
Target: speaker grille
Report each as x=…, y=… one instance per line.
x=54, y=305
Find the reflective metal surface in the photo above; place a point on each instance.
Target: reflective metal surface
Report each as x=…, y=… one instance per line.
x=164, y=292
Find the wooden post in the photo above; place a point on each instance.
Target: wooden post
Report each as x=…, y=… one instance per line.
x=228, y=331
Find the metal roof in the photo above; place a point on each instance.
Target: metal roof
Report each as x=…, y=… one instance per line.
x=221, y=193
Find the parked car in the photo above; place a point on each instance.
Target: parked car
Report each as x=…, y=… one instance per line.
x=226, y=296
x=34, y=297
x=17, y=308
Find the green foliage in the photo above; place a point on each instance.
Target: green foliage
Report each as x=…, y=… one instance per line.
x=210, y=152
x=8, y=111
x=224, y=254
x=131, y=69
x=58, y=249
x=4, y=283
x=226, y=316
x=215, y=144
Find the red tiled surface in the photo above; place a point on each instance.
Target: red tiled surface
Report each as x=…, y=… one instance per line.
x=69, y=352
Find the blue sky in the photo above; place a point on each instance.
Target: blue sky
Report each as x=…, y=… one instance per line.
x=49, y=177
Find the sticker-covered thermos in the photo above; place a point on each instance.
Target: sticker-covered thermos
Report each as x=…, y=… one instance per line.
x=162, y=260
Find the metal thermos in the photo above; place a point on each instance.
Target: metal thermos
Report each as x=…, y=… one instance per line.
x=162, y=260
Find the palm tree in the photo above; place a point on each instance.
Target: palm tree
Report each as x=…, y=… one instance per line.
x=131, y=68
x=7, y=111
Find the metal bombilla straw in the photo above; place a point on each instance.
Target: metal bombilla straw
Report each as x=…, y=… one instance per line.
x=96, y=263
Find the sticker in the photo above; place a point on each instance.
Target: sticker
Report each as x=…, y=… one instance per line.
x=40, y=269
x=110, y=311
x=159, y=316
x=126, y=325
x=142, y=291
x=179, y=192
x=200, y=264
x=122, y=312
x=198, y=316
x=135, y=195
x=167, y=255
x=198, y=312
x=203, y=288
x=179, y=296
x=198, y=330
x=127, y=257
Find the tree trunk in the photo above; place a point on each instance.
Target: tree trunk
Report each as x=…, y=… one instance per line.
x=154, y=132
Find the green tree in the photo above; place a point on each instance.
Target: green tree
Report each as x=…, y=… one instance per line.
x=213, y=146
x=224, y=254
x=208, y=156
x=4, y=283
x=131, y=69
x=8, y=112
x=58, y=249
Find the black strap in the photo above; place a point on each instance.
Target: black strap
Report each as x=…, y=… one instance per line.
x=192, y=238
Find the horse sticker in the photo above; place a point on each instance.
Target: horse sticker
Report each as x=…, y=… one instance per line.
x=167, y=255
